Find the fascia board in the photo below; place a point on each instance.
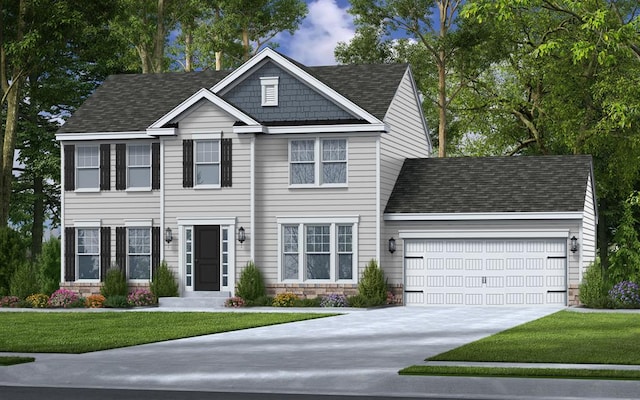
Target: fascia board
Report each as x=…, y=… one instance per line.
x=196, y=97
x=162, y=131
x=575, y=215
x=483, y=233
x=300, y=74
x=67, y=137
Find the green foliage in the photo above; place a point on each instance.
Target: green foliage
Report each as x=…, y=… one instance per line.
x=115, y=284
x=24, y=281
x=285, y=300
x=164, y=283
x=38, y=300
x=12, y=254
x=625, y=259
x=262, y=301
x=48, y=266
x=372, y=286
x=594, y=289
x=250, y=286
x=116, y=301
x=307, y=302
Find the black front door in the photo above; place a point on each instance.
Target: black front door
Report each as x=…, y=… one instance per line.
x=207, y=257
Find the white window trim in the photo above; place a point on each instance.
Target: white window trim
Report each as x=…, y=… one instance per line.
x=317, y=161
x=76, y=167
x=333, y=222
x=269, y=83
x=90, y=225
x=195, y=164
x=138, y=188
x=148, y=228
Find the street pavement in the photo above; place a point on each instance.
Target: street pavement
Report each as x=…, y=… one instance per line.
x=357, y=353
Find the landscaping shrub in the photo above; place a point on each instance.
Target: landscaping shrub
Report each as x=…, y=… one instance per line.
x=307, y=302
x=284, y=300
x=235, y=302
x=115, y=283
x=594, y=289
x=38, y=300
x=250, y=286
x=334, y=300
x=13, y=250
x=65, y=298
x=262, y=301
x=24, y=281
x=164, y=283
x=94, y=301
x=116, y=301
x=625, y=294
x=48, y=266
x=141, y=298
x=373, y=286
x=624, y=262
x=9, y=301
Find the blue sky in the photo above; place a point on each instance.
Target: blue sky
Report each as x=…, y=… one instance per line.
x=326, y=24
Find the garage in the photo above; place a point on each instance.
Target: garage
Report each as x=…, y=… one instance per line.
x=485, y=272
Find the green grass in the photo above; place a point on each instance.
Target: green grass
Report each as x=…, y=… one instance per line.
x=564, y=337
x=553, y=373
x=4, y=361
x=85, y=332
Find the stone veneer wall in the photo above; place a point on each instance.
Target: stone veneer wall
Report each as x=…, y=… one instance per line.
x=574, y=295
x=85, y=289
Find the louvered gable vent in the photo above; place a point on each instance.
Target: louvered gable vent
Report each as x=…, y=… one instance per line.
x=269, y=91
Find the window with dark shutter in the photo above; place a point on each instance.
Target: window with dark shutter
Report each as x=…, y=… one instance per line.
x=69, y=167
x=121, y=166
x=69, y=254
x=121, y=248
x=105, y=167
x=225, y=163
x=187, y=163
x=105, y=251
x=155, y=166
x=155, y=250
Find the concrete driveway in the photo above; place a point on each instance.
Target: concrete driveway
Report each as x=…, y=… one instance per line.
x=358, y=353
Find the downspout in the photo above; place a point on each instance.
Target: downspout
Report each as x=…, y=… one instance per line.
x=162, y=199
x=62, y=225
x=378, y=211
x=252, y=198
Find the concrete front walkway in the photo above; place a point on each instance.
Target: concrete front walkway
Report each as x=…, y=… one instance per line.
x=357, y=353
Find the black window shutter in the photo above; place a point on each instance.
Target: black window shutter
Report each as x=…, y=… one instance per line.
x=121, y=248
x=225, y=163
x=69, y=254
x=187, y=163
x=155, y=250
x=105, y=167
x=105, y=251
x=155, y=165
x=121, y=166
x=69, y=167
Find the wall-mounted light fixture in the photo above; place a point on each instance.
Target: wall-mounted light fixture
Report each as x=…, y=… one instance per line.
x=573, y=244
x=392, y=245
x=168, y=235
x=241, y=235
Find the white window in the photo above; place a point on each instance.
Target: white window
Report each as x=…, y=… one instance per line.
x=317, y=251
x=139, y=166
x=207, y=163
x=269, y=91
x=318, y=162
x=88, y=253
x=87, y=167
x=139, y=253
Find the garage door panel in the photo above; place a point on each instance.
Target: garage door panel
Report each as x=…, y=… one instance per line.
x=485, y=272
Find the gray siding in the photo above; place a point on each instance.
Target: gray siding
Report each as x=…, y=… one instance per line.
x=296, y=100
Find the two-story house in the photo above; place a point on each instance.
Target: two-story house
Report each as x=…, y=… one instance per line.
x=302, y=170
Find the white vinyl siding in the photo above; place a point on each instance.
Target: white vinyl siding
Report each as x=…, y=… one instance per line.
x=589, y=226
x=87, y=167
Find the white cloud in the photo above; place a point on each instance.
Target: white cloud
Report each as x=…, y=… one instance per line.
x=326, y=24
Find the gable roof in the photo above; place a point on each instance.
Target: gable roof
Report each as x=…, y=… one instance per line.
x=523, y=184
x=133, y=102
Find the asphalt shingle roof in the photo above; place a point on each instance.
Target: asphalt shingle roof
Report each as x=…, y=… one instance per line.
x=132, y=102
x=491, y=184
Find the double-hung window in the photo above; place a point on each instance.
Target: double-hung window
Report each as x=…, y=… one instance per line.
x=317, y=162
x=207, y=163
x=88, y=253
x=139, y=166
x=312, y=250
x=87, y=167
x=139, y=253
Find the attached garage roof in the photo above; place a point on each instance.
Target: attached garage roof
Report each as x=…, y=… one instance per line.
x=525, y=184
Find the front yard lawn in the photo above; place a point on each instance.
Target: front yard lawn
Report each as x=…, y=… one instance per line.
x=565, y=337
x=26, y=332
x=4, y=361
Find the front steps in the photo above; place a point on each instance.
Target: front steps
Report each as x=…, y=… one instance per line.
x=195, y=300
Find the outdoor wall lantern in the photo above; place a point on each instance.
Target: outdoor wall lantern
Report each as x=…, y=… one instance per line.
x=241, y=235
x=573, y=244
x=168, y=235
x=392, y=245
